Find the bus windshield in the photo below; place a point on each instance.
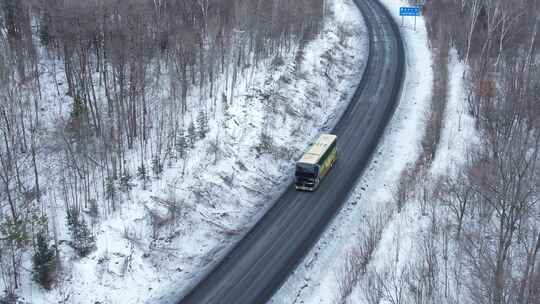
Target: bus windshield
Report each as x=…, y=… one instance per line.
x=306, y=170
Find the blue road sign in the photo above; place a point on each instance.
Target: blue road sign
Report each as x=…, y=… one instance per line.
x=409, y=11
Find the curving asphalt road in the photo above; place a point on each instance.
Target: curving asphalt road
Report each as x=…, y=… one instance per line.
x=262, y=260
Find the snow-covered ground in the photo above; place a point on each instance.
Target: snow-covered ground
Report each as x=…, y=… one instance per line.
x=209, y=202
x=406, y=238
x=459, y=134
x=317, y=279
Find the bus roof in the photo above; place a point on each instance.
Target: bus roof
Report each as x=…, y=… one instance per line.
x=316, y=151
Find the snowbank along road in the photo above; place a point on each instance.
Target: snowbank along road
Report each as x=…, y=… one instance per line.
x=262, y=260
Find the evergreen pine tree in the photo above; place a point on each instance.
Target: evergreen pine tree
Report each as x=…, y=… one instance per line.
x=94, y=210
x=86, y=239
x=202, y=123
x=142, y=174
x=125, y=181
x=77, y=121
x=14, y=232
x=192, y=134
x=45, y=36
x=181, y=145
x=82, y=239
x=224, y=102
x=157, y=167
x=110, y=189
x=44, y=261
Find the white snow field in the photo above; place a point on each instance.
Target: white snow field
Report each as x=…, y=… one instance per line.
x=226, y=185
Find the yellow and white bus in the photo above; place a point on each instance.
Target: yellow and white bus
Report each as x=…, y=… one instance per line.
x=316, y=162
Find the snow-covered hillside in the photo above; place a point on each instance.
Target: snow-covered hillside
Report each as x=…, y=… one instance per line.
x=166, y=233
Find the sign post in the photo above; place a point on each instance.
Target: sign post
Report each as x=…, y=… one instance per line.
x=409, y=11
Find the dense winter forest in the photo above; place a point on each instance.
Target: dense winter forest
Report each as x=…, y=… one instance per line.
x=126, y=69
x=479, y=240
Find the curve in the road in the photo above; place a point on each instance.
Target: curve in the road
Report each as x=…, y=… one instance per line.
x=259, y=264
